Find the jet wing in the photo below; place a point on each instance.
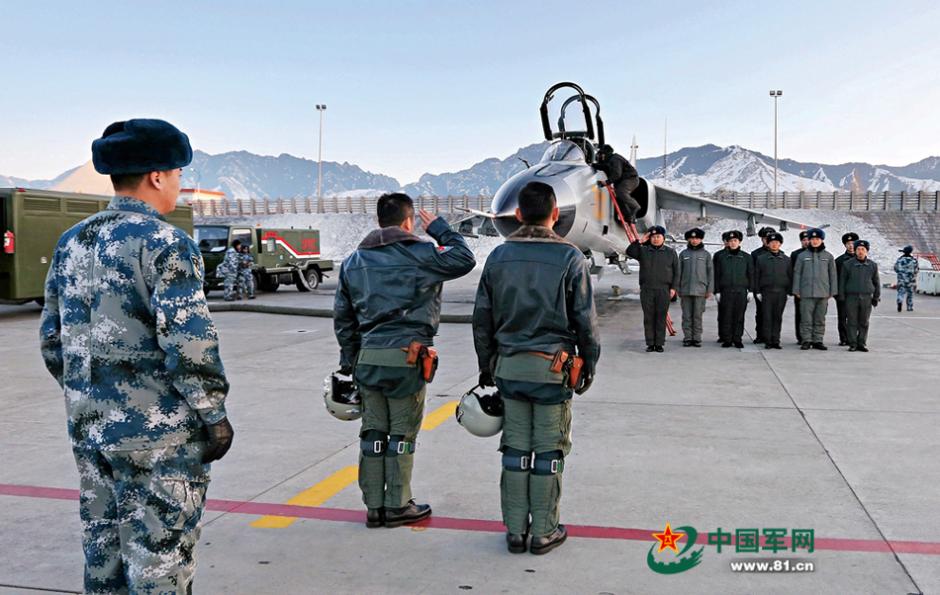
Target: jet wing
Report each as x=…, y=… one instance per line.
x=706, y=207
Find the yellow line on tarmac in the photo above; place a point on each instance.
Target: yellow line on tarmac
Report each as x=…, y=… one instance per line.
x=318, y=494
x=314, y=496
x=439, y=415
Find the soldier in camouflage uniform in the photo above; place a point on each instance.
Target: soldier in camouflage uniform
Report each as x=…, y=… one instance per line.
x=126, y=333
x=229, y=269
x=906, y=268
x=246, y=280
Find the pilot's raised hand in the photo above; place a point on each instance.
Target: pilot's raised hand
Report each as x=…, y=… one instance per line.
x=645, y=238
x=426, y=217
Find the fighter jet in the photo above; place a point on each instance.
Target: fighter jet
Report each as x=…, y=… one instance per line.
x=588, y=218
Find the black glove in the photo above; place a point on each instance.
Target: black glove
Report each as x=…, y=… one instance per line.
x=486, y=379
x=346, y=370
x=584, y=383
x=220, y=440
x=874, y=302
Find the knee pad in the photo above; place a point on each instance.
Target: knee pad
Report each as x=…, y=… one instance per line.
x=373, y=443
x=517, y=460
x=548, y=463
x=397, y=445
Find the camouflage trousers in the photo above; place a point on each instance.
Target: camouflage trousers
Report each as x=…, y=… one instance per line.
x=140, y=512
x=230, y=285
x=245, y=286
x=389, y=430
x=906, y=290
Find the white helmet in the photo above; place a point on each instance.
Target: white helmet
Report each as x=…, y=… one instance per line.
x=341, y=396
x=481, y=412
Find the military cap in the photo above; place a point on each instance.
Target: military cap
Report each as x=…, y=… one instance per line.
x=863, y=243
x=140, y=146
x=907, y=249
x=657, y=229
x=775, y=235
x=764, y=231
x=695, y=232
x=849, y=237
x=816, y=233
x=733, y=234
x=804, y=234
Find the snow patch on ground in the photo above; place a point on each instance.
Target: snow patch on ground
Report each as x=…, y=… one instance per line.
x=340, y=234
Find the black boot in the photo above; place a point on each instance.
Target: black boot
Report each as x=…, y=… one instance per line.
x=899, y=306
x=726, y=343
x=805, y=346
x=543, y=545
x=739, y=344
x=412, y=513
x=862, y=348
x=696, y=343
x=852, y=348
x=516, y=542
x=820, y=346
x=687, y=343
x=658, y=348
x=375, y=517
x=650, y=349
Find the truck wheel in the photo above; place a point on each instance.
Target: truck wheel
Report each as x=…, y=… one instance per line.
x=309, y=281
x=268, y=282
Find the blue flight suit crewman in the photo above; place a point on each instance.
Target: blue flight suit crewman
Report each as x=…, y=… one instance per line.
x=126, y=333
x=388, y=297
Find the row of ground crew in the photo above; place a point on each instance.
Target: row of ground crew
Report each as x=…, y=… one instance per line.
x=768, y=276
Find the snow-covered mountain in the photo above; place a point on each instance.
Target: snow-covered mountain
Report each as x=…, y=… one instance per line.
x=241, y=174
x=708, y=168
x=481, y=179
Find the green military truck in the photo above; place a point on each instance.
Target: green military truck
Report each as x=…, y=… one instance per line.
x=31, y=222
x=281, y=256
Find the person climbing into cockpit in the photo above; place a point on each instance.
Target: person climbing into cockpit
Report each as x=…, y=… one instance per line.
x=624, y=178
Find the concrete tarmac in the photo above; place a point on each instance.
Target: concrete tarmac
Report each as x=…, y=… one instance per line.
x=841, y=443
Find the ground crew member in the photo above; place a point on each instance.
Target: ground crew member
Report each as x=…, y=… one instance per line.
x=127, y=334
x=724, y=242
x=229, y=268
x=659, y=278
x=733, y=275
x=860, y=288
x=758, y=307
x=804, y=244
x=696, y=284
x=773, y=280
x=906, y=268
x=624, y=178
x=848, y=240
x=388, y=297
x=534, y=301
x=814, y=282
x=246, y=279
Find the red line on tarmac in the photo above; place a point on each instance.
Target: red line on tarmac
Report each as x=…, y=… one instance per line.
x=931, y=548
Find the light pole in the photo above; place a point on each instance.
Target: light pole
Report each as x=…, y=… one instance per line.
x=320, y=108
x=775, y=94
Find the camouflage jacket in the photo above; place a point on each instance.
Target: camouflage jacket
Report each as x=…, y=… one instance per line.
x=126, y=332
x=245, y=262
x=230, y=265
x=906, y=267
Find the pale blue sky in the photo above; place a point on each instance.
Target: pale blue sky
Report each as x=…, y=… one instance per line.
x=415, y=87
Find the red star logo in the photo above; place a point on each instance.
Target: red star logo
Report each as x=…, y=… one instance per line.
x=668, y=539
